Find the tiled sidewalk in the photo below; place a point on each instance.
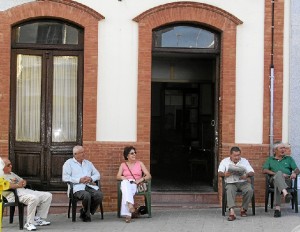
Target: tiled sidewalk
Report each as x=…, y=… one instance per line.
x=173, y=220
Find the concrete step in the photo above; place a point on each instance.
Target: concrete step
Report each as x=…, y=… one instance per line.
x=185, y=199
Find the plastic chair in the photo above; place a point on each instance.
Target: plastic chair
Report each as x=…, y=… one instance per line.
x=224, y=196
x=270, y=192
x=12, y=206
x=73, y=201
x=147, y=198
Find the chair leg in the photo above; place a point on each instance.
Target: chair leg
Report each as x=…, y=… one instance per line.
x=74, y=206
x=69, y=209
x=119, y=202
x=253, y=204
x=101, y=209
x=224, y=202
x=272, y=200
x=266, y=200
x=296, y=201
x=11, y=214
x=21, y=216
x=148, y=204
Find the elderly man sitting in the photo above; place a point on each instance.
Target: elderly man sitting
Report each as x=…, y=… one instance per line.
x=236, y=170
x=282, y=169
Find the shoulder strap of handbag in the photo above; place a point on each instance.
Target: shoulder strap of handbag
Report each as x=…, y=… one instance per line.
x=130, y=171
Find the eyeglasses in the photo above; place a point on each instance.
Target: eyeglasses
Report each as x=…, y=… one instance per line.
x=8, y=165
x=132, y=153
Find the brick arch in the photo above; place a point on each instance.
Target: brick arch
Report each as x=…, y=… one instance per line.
x=188, y=12
x=75, y=13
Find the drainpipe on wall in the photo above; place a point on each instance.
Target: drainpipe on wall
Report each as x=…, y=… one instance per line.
x=272, y=84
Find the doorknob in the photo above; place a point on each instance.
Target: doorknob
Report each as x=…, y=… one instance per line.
x=212, y=123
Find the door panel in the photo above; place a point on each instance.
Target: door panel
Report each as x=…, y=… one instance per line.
x=46, y=118
x=24, y=160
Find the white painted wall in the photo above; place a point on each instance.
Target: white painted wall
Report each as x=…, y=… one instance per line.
x=6, y=4
x=286, y=72
x=117, y=82
x=250, y=74
x=118, y=60
x=118, y=73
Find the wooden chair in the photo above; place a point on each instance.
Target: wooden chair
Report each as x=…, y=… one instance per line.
x=12, y=206
x=270, y=192
x=147, y=197
x=224, y=196
x=73, y=201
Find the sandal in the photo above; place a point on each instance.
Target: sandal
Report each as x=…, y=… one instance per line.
x=244, y=213
x=231, y=218
x=128, y=219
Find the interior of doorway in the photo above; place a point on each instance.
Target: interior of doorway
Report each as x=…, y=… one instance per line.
x=182, y=136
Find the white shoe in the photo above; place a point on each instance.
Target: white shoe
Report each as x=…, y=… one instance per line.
x=29, y=226
x=40, y=222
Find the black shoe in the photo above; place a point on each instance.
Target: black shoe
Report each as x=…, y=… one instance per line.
x=277, y=213
x=87, y=219
x=82, y=214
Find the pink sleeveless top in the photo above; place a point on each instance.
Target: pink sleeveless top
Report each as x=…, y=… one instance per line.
x=136, y=171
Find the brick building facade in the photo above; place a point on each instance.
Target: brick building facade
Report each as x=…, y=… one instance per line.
x=107, y=154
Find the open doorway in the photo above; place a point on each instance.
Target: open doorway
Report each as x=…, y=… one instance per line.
x=183, y=116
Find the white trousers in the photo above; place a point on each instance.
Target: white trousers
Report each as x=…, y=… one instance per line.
x=38, y=203
x=128, y=192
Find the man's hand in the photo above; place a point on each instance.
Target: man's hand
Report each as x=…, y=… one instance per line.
x=293, y=176
x=85, y=180
x=22, y=183
x=243, y=177
x=227, y=174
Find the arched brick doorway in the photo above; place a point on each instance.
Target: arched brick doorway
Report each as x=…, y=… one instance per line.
x=202, y=14
x=76, y=14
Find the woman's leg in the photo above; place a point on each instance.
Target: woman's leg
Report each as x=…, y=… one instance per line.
x=128, y=192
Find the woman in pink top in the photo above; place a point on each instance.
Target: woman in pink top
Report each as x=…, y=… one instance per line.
x=130, y=173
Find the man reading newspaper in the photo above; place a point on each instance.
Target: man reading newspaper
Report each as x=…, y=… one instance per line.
x=236, y=170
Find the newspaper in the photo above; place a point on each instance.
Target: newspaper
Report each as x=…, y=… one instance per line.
x=237, y=171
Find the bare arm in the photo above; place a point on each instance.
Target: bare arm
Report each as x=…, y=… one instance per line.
x=147, y=175
x=120, y=174
x=267, y=171
x=225, y=174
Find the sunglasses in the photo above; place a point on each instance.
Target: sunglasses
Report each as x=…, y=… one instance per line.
x=132, y=153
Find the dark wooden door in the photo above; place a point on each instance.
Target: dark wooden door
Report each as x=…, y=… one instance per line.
x=46, y=113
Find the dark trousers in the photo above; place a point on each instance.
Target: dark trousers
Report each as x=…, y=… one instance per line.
x=90, y=198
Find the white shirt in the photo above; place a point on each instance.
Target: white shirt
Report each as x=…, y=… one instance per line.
x=73, y=171
x=223, y=167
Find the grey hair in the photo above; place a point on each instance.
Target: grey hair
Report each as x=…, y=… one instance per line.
x=277, y=144
x=76, y=149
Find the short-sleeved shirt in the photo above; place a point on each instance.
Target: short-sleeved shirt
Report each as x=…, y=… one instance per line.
x=286, y=164
x=224, y=165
